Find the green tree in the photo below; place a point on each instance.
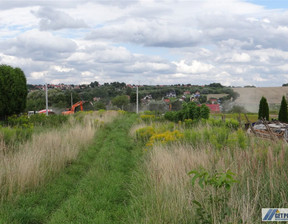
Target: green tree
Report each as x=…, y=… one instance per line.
x=94, y=84
x=283, y=114
x=263, y=112
x=100, y=105
x=120, y=101
x=133, y=97
x=13, y=91
x=204, y=111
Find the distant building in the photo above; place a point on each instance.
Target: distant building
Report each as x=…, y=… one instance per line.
x=213, y=100
x=214, y=108
x=197, y=94
x=171, y=95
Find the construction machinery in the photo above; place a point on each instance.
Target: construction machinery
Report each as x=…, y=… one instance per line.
x=74, y=107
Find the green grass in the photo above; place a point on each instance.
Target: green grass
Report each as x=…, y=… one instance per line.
x=93, y=189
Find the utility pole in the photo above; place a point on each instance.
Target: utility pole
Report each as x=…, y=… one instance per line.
x=46, y=99
x=71, y=99
x=137, y=110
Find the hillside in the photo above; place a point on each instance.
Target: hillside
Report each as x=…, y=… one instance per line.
x=250, y=97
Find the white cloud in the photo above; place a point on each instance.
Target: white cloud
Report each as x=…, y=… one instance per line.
x=232, y=42
x=55, y=20
x=193, y=67
x=258, y=78
x=242, y=57
x=62, y=68
x=38, y=75
x=37, y=45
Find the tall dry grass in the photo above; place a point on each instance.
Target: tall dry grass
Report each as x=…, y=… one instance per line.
x=46, y=153
x=260, y=168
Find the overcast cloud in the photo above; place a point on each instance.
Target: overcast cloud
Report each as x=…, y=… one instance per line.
x=234, y=42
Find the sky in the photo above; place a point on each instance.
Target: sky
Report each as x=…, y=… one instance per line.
x=148, y=42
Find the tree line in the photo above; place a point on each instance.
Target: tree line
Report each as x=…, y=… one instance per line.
x=263, y=112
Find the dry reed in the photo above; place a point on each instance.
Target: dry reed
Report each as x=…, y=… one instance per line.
x=46, y=153
x=260, y=170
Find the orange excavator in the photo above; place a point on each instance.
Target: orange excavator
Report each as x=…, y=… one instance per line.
x=72, y=110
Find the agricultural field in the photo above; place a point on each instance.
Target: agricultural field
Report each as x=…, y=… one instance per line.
x=252, y=117
x=119, y=167
x=249, y=97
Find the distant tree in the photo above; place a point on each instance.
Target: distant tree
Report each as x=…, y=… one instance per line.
x=263, y=112
x=283, y=114
x=202, y=99
x=128, y=91
x=100, y=105
x=94, y=84
x=249, y=86
x=120, y=101
x=13, y=91
x=176, y=105
x=133, y=97
x=286, y=84
x=158, y=106
x=237, y=109
x=216, y=85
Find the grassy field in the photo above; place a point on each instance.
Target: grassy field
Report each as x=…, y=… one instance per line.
x=138, y=170
x=91, y=189
x=233, y=175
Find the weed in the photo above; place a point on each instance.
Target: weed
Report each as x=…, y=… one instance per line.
x=217, y=198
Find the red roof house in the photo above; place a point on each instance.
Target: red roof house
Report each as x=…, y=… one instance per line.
x=214, y=108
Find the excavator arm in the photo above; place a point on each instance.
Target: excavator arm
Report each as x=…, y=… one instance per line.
x=73, y=108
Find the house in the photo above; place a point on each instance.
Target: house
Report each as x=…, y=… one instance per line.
x=187, y=93
x=147, y=97
x=171, y=94
x=213, y=100
x=214, y=108
x=197, y=94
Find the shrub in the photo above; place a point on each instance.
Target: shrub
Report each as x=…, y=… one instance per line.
x=221, y=184
x=165, y=137
x=170, y=116
x=232, y=124
x=14, y=136
x=19, y=121
x=145, y=133
x=189, y=111
x=147, y=117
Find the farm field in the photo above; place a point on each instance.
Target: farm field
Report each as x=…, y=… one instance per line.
x=253, y=117
x=250, y=97
x=143, y=169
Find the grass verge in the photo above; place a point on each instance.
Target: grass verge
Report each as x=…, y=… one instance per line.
x=93, y=189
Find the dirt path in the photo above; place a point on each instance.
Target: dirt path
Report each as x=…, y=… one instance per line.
x=94, y=189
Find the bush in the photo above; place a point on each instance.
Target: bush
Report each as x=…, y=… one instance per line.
x=190, y=111
x=147, y=118
x=49, y=121
x=144, y=134
x=14, y=136
x=232, y=124
x=165, y=137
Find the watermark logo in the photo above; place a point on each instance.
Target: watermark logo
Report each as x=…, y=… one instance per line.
x=274, y=214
